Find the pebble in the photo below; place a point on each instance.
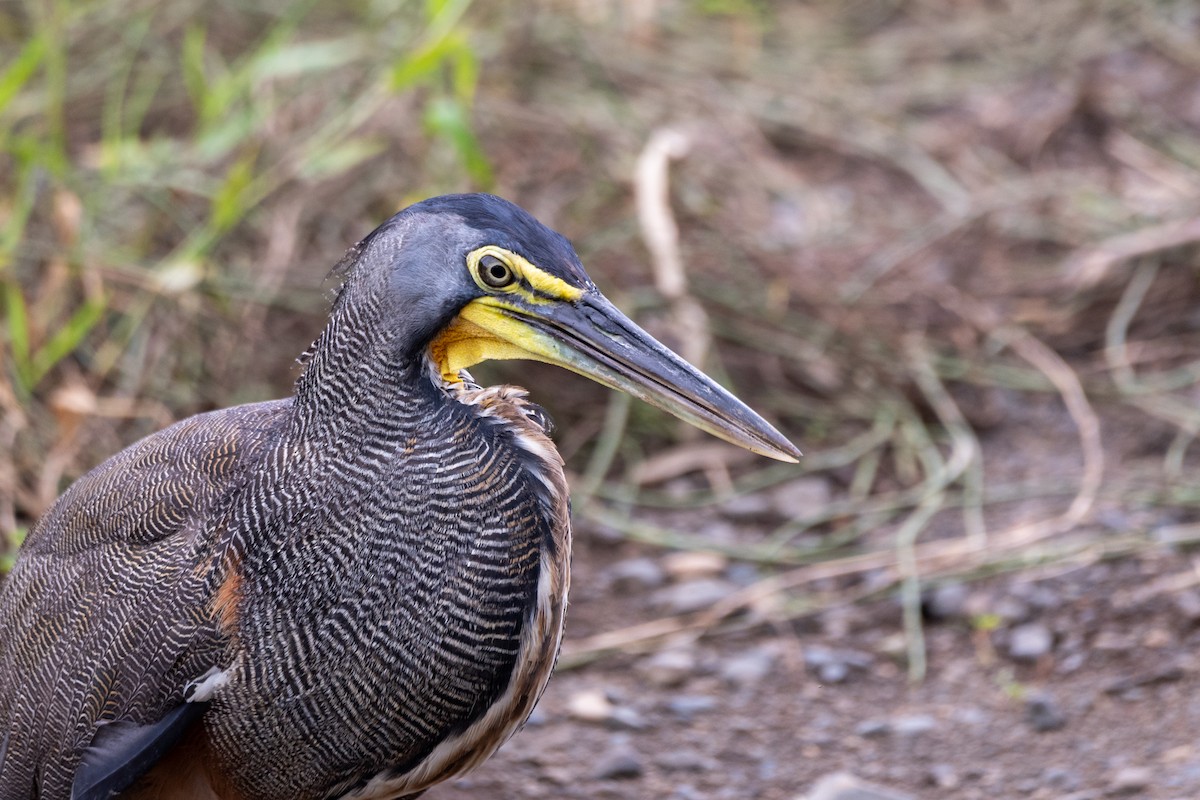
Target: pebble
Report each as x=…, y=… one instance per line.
x=749, y=667
x=944, y=776
x=684, y=761
x=686, y=707
x=691, y=564
x=639, y=573
x=1007, y=608
x=972, y=715
x=948, y=601
x=693, y=595
x=618, y=765
x=1188, y=603
x=833, y=666
x=742, y=574
x=1072, y=662
x=1062, y=779
x=1131, y=780
x=1036, y=595
x=590, y=705
x=1043, y=713
x=624, y=717
x=1158, y=638
x=844, y=786
x=668, y=668
x=800, y=498
x=1011, y=609
x=913, y=725
x=1030, y=642
x=1112, y=642
x=1168, y=673
x=562, y=776
x=873, y=728
x=747, y=507
x=833, y=672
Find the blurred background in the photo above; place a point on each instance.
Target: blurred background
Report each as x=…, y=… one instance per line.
x=948, y=246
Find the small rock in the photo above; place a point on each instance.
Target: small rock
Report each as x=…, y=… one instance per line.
x=944, y=776
x=1131, y=780
x=688, y=565
x=1112, y=642
x=1043, y=713
x=627, y=718
x=873, y=728
x=1037, y=596
x=1158, y=638
x=686, y=707
x=893, y=646
x=1072, y=662
x=1168, y=673
x=948, y=601
x=668, y=668
x=913, y=725
x=844, y=786
x=742, y=574
x=590, y=706
x=683, y=761
x=833, y=672
x=1061, y=779
x=561, y=776
x=833, y=666
x=749, y=667
x=801, y=498
x=1011, y=609
x=694, y=595
x=640, y=573
x=972, y=715
x=1188, y=603
x=1030, y=642
x=618, y=765
x=747, y=507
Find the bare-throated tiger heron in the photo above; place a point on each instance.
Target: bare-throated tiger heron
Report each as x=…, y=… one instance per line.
x=354, y=592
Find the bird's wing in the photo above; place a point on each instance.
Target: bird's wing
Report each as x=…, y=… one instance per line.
x=106, y=615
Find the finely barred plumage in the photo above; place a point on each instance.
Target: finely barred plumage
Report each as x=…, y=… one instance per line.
x=69, y=627
x=357, y=592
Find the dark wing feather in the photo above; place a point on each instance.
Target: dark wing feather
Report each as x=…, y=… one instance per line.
x=107, y=615
x=121, y=752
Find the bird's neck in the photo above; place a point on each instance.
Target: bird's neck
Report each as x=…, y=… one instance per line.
x=356, y=373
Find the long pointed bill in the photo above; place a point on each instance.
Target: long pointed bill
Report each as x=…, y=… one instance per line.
x=592, y=337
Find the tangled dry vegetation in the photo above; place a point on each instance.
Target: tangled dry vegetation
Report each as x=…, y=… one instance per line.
x=951, y=247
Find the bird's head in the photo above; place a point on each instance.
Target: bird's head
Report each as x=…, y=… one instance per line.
x=469, y=278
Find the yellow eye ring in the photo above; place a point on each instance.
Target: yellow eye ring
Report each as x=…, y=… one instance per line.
x=494, y=272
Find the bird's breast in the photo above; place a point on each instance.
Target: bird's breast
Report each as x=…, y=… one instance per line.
x=405, y=614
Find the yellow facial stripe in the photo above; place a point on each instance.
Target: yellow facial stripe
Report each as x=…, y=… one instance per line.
x=546, y=287
x=481, y=332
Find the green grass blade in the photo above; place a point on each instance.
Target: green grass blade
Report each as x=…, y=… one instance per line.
x=66, y=339
x=20, y=70
x=17, y=318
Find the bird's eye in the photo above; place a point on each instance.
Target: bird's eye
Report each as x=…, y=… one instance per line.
x=494, y=272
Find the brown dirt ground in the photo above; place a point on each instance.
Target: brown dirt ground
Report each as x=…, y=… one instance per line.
x=1123, y=675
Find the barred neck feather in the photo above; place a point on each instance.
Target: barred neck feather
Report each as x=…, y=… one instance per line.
x=541, y=636
x=415, y=514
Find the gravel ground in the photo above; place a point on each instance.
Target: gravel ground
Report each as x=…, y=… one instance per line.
x=1077, y=685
